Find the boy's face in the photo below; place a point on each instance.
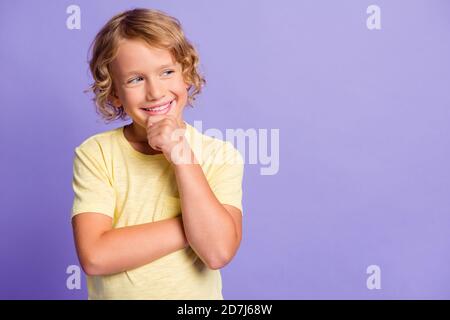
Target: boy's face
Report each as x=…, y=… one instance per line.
x=146, y=77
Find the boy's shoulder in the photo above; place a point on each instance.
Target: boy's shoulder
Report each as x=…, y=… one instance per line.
x=98, y=140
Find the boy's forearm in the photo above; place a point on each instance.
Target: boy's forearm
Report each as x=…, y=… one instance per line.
x=209, y=227
x=130, y=247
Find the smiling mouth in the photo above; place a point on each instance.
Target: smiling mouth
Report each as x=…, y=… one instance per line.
x=161, y=109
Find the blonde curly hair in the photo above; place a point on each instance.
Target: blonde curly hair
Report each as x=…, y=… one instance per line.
x=158, y=30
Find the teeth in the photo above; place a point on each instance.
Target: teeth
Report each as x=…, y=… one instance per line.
x=157, y=108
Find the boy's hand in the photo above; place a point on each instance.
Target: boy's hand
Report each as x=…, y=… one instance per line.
x=164, y=132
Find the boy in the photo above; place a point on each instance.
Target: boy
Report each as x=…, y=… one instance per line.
x=157, y=208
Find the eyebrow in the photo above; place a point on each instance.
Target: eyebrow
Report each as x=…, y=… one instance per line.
x=169, y=65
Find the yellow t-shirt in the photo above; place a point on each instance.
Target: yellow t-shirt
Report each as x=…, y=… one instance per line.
x=111, y=177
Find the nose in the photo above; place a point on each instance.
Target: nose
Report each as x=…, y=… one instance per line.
x=155, y=90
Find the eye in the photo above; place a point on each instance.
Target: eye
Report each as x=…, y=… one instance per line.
x=169, y=72
x=134, y=80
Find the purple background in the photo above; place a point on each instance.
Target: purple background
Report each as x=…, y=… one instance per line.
x=364, y=141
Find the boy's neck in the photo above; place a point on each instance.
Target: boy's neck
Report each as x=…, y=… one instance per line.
x=134, y=134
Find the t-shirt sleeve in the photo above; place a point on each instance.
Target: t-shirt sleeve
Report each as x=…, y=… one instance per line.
x=226, y=180
x=93, y=191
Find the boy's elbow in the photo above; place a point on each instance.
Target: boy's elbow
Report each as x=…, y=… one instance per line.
x=91, y=269
x=221, y=259
x=218, y=262
x=216, y=265
x=92, y=266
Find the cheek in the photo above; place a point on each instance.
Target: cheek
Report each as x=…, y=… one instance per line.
x=180, y=86
x=182, y=91
x=133, y=96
